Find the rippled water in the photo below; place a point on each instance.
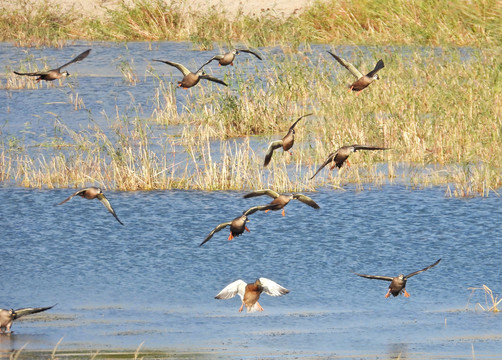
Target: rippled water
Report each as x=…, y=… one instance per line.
x=117, y=286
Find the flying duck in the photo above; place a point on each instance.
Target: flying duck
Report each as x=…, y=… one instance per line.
x=238, y=225
x=250, y=293
x=91, y=193
x=281, y=200
x=362, y=80
x=7, y=317
x=341, y=155
x=228, y=58
x=189, y=78
x=286, y=143
x=398, y=283
x=50, y=75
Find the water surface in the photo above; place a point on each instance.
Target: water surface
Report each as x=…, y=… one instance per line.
x=149, y=281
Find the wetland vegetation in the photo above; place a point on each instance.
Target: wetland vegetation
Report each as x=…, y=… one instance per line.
x=437, y=108
x=421, y=22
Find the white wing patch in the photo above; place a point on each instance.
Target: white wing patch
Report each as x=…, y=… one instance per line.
x=272, y=288
x=236, y=288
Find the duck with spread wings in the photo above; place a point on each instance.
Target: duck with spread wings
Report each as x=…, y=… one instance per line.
x=229, y=57
x=281, y=200
x=191, y=79
x=250, y=293
x=91, y=193
x=342, y=154
x=286, y=142
x=398, y=283
x=238, y=225
x=362, y=81
x=54, y=74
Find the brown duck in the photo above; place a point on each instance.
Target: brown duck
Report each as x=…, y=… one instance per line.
x=91, y=193
x=398, y=283
x=189, y=78
x=342, y=154
x=238, y=225
x=250, y=293
x=286, y=143
x=55, y=74
x=362, y=80
x=229, y=57
x=282, y=200
x=7, y=317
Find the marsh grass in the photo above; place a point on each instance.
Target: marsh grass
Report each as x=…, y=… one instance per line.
x=440, y=118
x=420, y=22
x=38, y=23
x=491, y=301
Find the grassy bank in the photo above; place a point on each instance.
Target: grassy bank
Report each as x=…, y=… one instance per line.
x=419, y=22
x=441, y=118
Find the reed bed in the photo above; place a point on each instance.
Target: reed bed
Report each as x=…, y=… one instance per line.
x=458, y=22
x=438, y=114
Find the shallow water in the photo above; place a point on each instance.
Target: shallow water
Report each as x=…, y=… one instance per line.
x=149, y=281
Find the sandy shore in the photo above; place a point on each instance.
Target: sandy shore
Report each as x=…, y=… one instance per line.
x=255, y=7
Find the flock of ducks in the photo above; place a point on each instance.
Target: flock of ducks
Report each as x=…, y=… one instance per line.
x=248, y=292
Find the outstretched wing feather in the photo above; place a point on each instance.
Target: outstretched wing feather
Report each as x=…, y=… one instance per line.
x=108, y=206
x=347, y=65
x=306, y=200
x=238, y=287
x=375, y=277
x=250, y=52
x=180, y=67
x=268, y=192
x=270, y=151
x=272, y=288
x=78, y=58
x=215, y=230
x=424, y=269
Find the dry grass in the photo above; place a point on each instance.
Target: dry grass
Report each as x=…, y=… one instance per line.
x=472, y=23
x=491, y=301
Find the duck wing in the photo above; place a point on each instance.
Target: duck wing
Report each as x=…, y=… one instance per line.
x=366, y=147
x=328, y=160
x=272, y=288
x=250, y=52
x=379, y=65
x=180, y=67
x=213, y=79
x=72, y=195
x=78, y=58
x=238, y=287
x=215, y=230
x=306, y=200
x=36, y=73
x=261, y=208
x=268, y=192
x=27, y=311
x=424, y=269
x=301, y=117
x=376, y=277
x=108, y=206
x=347, y=65
x=270, y=151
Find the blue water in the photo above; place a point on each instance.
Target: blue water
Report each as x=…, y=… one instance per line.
x=117, y=286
